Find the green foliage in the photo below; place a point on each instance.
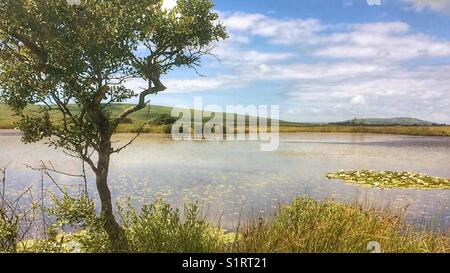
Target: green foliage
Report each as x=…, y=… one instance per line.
x=53, y=243
x=9, y=232
x=308, y=226
x=389, y=179
x=16, y=217
x=79, y=214
x=159, y=228
x=163, y=119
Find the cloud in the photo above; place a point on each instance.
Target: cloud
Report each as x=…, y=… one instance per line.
x=396, y=90
x=320, y=72
x=382, y=27
x=316, y=71
x=201, y=84
x=191, y=85
x=278, y=31
x=232, y=55
x=442, y=6
x=358, y=99
x=392, y=41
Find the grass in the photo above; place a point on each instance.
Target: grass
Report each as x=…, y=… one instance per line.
x=309, y=226
x=303, y=226
x=394, y=130
x=7, y=120
x=389, y=179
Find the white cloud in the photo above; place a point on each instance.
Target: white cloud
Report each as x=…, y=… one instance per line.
x=316, y=71
x=442, y=6
x=382, y=27
x=200, y=84
x=395, y=90
x=391, y=41
x=358, y=99
x=233, y=55
x=276, y=30
x=352, y=69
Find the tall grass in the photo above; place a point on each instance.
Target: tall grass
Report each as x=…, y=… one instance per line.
x=310, y=226
x=303, y=226
x=395, y=130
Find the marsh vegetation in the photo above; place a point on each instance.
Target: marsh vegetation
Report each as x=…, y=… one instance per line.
x=390, y=179
x=303, y=226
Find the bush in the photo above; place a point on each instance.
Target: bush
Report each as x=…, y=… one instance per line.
x=163, y=119
x=159, y=228
x=16, y=219
x=9, y=232
x=79, y=215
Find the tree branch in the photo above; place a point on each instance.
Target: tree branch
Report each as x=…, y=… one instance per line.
x=158, y=87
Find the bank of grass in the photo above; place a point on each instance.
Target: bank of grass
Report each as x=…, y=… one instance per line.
x=310, y=226
x=303, y=226
x=286, y=129
x=394, y=130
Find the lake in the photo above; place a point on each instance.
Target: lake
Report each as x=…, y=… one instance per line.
x=234, y=180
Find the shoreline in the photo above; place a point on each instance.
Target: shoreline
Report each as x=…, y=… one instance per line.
x=428, y=131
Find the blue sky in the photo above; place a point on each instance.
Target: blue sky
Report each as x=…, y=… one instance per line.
x=326, y=60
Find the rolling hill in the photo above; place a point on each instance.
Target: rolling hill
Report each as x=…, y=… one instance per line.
x=7, y=118
x=405, y=121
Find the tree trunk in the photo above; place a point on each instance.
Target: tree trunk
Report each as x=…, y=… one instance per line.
x=115, y=232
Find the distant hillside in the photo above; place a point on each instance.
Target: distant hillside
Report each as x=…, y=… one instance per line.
x=387, y=121
x=7, y=118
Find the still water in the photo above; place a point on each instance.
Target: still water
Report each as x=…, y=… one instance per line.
x=234, y=180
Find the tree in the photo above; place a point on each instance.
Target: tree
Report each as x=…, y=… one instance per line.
x=73, y=62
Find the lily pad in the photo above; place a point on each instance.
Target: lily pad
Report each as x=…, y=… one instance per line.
x=390, y=179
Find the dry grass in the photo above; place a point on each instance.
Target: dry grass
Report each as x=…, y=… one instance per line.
x=395, y=130
x=309, y=226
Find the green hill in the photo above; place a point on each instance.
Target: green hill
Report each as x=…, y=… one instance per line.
x=7, y=118
x=387, y=122
x=148, y=114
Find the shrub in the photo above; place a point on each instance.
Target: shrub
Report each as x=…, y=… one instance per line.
x=9, y=232
x=79, y=215
x=159, y=228
x=163, y=119
x=16, y=219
